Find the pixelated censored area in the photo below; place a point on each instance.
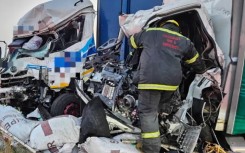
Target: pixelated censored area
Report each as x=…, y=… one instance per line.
x=70, y=64
x=19, y=30
x=71, y=59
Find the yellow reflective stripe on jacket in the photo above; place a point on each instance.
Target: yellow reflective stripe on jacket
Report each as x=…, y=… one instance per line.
x=150, y=135
x=193, y=59
x=157, y=87
x=133, y=42
x=166, y=30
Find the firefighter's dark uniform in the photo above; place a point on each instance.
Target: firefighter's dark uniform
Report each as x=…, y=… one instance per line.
x=160, y=74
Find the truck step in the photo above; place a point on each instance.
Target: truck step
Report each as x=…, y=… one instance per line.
x=237, y=143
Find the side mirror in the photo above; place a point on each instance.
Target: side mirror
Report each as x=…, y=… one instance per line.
x=3, y=51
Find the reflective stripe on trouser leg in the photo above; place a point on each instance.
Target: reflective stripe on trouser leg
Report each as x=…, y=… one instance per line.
x=149, y=135
x=148, y=110
x=162, y=87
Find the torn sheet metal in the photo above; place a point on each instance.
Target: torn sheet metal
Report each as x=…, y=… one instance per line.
x=220, y=15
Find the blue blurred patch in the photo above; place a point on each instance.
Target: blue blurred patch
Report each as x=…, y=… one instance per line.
x=59, y=62
x=88, y=50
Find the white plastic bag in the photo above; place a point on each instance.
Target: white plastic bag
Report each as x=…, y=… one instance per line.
x=55, y=132
x=33, y=44
x=14, y=122
x=106, y=145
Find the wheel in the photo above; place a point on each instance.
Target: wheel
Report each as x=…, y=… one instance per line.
x=67, y=104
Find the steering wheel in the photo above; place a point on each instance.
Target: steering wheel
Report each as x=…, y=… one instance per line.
x=111, y=44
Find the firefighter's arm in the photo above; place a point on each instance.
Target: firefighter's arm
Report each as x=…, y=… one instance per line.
x=136, y=40
x=193, y=59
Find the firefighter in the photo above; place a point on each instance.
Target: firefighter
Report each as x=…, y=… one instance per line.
x=160, y=73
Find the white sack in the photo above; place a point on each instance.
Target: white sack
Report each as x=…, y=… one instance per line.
x=14, y=122
x=33, y=44
x=106, y=145
x=67, y=148
x=55, y=132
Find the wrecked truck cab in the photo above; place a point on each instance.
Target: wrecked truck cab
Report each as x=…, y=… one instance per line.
x=48, y=49
x=195, y=24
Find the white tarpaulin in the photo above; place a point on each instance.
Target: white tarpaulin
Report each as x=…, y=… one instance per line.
x=49, y=15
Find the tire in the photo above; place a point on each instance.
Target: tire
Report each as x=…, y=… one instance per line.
x=67, y=104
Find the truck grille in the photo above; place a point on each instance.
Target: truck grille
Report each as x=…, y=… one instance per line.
x=9, y=80
x=8, y=75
